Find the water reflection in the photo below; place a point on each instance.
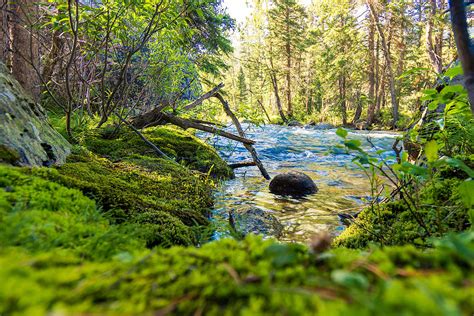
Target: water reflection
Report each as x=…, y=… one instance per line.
x=342, y=186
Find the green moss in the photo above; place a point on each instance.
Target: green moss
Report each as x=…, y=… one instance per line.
x=184, y=147
x=440, y=210
x=246, y=277
x=8, y=155
x=40, y=215
x=125, y=190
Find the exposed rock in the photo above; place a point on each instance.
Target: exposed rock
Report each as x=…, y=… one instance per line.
x=25, y=136
x=294, y=123
x=253, y=220
x=361, y=125
x=293, y=183
x=315, y=125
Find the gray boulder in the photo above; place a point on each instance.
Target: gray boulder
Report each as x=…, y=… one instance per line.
x=253, y=220
x=293, y=183
x=25, y=136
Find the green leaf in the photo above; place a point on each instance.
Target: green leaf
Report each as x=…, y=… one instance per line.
x=453, y=162
x=350, y=279
x=466, y=191
x=353, y=144
x=430, y=92
x=341, y=132
x=453, y=72
x=431, y=151
x=454, y=89
x=433, y=105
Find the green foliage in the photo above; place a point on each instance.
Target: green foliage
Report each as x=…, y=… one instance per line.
x=434, y=198
x=231, y=277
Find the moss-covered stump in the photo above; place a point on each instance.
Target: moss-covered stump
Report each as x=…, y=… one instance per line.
x=184, y=147
x=251, y=277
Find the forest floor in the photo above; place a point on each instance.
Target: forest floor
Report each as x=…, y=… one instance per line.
x=115, y=230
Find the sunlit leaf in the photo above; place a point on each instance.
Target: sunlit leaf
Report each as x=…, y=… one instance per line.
x=341, y=132
x=431, y=151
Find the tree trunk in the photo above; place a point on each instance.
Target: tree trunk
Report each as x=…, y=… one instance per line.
x=342, y=96
x=25, y=46
x=371, y=74
x=388, y=60
x=464, y=45
x=433, y=49
x=288, y=65
x=277, y=98
x=358, y=111
x=4, y=33
x=52, y=58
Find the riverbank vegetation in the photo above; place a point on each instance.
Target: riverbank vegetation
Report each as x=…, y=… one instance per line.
x=106, y=195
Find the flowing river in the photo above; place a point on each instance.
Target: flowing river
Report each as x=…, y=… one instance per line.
x=343, y=187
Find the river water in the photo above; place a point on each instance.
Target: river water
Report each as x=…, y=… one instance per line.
x=343, y=187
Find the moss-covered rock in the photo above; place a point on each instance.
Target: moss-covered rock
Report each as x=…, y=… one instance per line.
x=184, y=147
x=172, y=195
x=25, y=136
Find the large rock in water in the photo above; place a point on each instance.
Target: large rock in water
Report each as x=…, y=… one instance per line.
x=25, y=136
x=253, y=220
x=293, y=183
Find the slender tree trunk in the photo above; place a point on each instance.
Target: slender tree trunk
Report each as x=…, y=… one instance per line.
x=53, y=57
x=275, y=89
x=431, y=47
x=358, y=111
x=464, y=45
x=4, y=33
x=388, y=60
x=371, y=74
x=25, y=46
x=277, y=98
x=288, y=65
x=342, y=95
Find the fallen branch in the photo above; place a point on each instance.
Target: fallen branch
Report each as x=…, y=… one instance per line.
x=205, y=96
x=153, y=119
x=242, y=164
x=241, y=132
x=153, y=146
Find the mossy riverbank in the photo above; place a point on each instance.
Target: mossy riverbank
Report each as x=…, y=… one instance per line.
x=113, y=231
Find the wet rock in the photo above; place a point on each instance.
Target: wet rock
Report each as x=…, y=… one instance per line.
x=294, y=123
x=293, y=183
x=361, y=125
x=321, y=126
x=25, y=136
x=253, y=220
x=347, y=218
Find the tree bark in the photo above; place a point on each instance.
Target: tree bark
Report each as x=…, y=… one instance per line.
x=464, y=45
x=277, y=97
x=4, y=33
x=288, y=65
x=25, y=46
x=432, y=48
x=371, y=74
x=358, y=111
x=342, y=95
x=154, y=118
x=388, y=61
